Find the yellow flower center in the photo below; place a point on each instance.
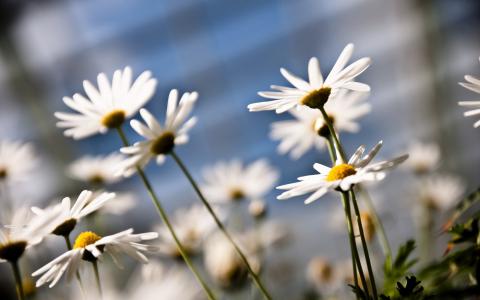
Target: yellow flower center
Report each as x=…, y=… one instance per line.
x=86, y=238
x=341, y=171
x=114, y=118
x=163, y=144
x=236, y=194
x=317, y=98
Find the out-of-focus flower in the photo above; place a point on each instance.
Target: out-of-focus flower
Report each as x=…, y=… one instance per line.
x=257, y=208
x=316, y=92
x=25, y=231
x=321, y=275
x=342, y=176
x=98, y=170
x=89, y=246
x=423, y=157
x=122, y=203
x=109, y=106
x=86, y=204
x=233, y=181
x=441, y=192
x=16, y=161
x=192, y=225
x=337, y=223
x=472, y=84
x=160, y=140
x=309, y=130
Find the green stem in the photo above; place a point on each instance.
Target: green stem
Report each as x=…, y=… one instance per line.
x=220, y=225
x=331, y=149
x=18, y=280
x=382, y=235
x=356, y=263
x=333, y=134
x=364, y=244
x=164, y=217
x=97, y=278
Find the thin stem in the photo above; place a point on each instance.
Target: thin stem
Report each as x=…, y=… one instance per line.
x=164, y=217
x=331, y=149
x=97, y=278
x=77, y=274
x=18, y=280
x=333, y=134
x=220, y=225
x=353, y=245
x=364, y=244
x=382, y=235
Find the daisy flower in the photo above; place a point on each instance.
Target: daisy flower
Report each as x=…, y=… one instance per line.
x=323, y=276
x=25, y=231
x=308, y=129
x=96, y=170
x=108, y=106
x=233, y=181
x=122, y=203
x=16, y=161
x=423, y=157
x=89, y=246
x=160, y=140
x=192, y=226
x=316, y=92
x=441, y=192
x=86, y=204
x=342, y=176
x=472, y=84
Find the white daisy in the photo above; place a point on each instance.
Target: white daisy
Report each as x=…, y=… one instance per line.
x=472, y=84
x=107, y=107
x=86, y=204
x=192, y=225
x=160, y=140
x=98, y=169
x=233, y=181
x=441, y=192
x=316, y=92
x=323, y=276
x=25, y=231
x=16, y=161
x=309, y=130
x=342, y=176
x=423, y=157
x=89, y=246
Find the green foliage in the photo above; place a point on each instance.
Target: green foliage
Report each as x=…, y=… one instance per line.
x=412, y=290
x=399, y=268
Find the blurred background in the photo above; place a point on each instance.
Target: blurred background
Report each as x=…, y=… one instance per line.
x=227, y=51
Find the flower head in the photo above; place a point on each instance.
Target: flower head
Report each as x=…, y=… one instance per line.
x=25, y=231
x=423, y=157
x=309, y=130
x=97, y=169
x=342, y=176
x=160, y=140
x=86, y=204
x=316, y=92
x=441, y=192
x=109, y=106
x=233, y=181
x=192, y=226
x=472, y=84
x=16, y=161
x=89, y=246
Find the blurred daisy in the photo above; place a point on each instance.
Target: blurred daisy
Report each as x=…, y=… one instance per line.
x=323, y=276
x=423, y=157
x=316, y=92
x=342, y=176
x=309, y=130
x=257, y=208
x=25, y=231
x=160, y=140
x=441, y=192
x=16, y=161
x=192, y=226
x=122, y=203
x=86, y=204
x=98, y=169
x=233, y=181
x=472, y=84
x=89, y=246
x=109, y=106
